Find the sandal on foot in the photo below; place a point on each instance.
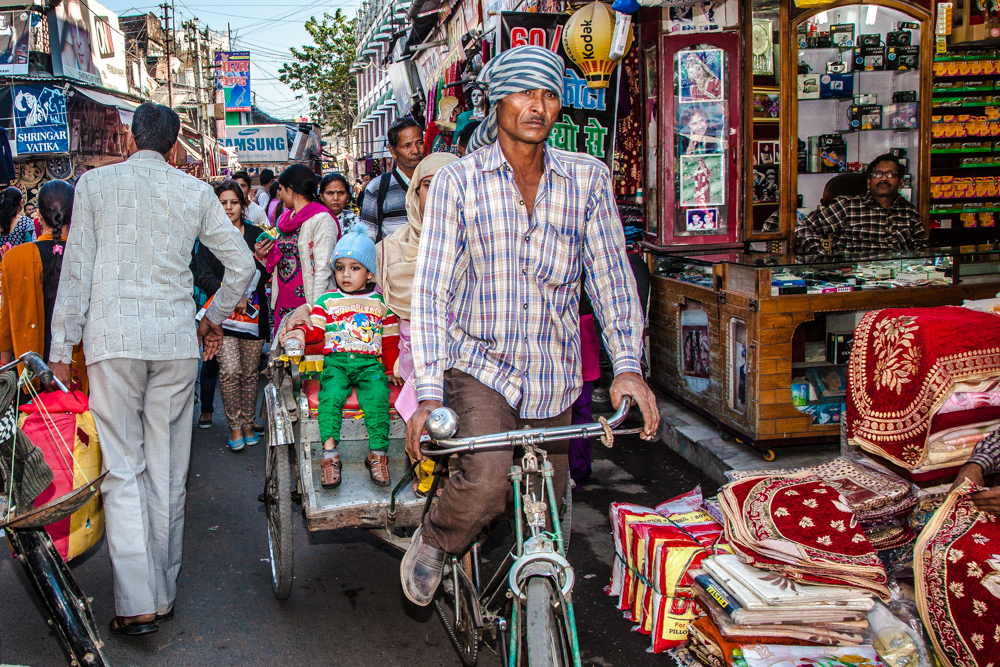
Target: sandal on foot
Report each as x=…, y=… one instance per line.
x=120, y=626
x=378, y=467
x=330, y=477
x=168, y=615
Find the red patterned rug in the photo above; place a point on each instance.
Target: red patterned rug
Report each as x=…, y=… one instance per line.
x=904, y=366
x=958, y=581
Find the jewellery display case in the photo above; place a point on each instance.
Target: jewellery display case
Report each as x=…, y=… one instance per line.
x=758, y=343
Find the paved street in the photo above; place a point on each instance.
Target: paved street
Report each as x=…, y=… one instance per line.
x=346, y=607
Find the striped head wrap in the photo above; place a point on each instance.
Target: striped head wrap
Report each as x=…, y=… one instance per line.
x=513, y=71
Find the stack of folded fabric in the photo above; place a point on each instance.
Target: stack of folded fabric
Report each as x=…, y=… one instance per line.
x=879, y=499
x=747, y=605
x=922, y=387
x=799, y=526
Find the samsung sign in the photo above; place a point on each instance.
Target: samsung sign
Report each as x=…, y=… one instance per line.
x=257, y=143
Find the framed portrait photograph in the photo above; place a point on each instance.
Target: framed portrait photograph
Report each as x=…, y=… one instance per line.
x=700, y=75
x=700, y=127
x=702, y=219
x=766, y=105
x=702, y=181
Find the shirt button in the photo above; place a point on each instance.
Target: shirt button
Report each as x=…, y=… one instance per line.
x=520, y=202
x=524, y=271
x=526, y=306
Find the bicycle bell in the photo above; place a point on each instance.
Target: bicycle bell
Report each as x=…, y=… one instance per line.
x=442, y=423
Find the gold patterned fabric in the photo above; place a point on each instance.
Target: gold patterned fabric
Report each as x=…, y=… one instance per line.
x=904, y=365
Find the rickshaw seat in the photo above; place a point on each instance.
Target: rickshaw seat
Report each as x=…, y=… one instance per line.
x=315, y=349
x=311, y=388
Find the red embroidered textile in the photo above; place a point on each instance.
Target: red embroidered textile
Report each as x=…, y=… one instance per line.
x=904, y=366
x=957, y=572
x=802, y=527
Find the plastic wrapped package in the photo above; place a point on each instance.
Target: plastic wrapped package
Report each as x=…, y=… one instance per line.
x=624, y=515
x=897, y=635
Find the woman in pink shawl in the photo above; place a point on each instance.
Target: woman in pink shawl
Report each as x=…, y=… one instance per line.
x=300, y=258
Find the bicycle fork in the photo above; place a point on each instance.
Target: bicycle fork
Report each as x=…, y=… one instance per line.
x=541, y=555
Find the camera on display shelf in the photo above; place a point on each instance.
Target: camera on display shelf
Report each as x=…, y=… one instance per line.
x=866, y=98
x=869, y=40
x=837, y=67
x=901, y=96
x=899, y=38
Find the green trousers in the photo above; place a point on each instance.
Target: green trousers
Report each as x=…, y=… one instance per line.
x=343, y=371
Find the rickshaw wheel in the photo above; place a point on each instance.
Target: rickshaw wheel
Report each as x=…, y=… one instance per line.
x=278, y=507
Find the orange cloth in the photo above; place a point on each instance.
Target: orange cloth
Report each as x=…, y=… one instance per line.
x=22, y=307
x=708, y=628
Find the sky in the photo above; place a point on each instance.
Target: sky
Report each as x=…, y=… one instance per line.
x=266, y=29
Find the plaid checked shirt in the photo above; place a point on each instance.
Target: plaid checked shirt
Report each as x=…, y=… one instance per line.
x=860, y=225
x=987, y=454
x=496, y=294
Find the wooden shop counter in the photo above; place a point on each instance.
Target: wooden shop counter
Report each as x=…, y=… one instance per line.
x=758, y=343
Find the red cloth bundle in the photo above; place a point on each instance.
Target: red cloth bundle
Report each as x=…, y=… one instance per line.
x=803, y=528
x=957, y=572
x=905, y=363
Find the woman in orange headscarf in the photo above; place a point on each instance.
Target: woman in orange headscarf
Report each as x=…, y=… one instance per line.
x=29, y=280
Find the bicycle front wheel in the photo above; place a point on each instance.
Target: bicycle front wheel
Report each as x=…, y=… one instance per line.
x=546, y=634
x=69, y=608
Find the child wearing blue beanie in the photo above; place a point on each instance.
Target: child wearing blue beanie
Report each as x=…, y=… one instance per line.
x=360, y=338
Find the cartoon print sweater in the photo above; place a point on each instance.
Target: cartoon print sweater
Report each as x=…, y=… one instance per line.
x=359, y=322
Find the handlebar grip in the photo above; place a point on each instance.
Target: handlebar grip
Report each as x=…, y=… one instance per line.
x=36, y=365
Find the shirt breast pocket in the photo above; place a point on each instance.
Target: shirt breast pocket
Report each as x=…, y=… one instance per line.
x=557, y=256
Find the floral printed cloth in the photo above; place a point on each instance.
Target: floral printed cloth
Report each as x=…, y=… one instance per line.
x=905, y=364
x=957, y=572
x=800, y=526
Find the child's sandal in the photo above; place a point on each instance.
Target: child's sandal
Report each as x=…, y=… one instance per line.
x=330, y=476
x=378, y=467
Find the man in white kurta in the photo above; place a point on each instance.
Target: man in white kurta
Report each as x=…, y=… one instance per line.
x=125, y=291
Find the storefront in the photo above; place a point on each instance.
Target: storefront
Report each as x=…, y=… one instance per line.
x=751, y=109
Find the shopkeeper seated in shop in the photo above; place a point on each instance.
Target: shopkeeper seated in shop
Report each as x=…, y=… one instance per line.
x=878, y=221
x=847, y=184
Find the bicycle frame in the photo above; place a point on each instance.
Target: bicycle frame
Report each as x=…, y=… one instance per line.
x=536, y=553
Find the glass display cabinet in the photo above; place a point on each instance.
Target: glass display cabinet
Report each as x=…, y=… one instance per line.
x=758, y=343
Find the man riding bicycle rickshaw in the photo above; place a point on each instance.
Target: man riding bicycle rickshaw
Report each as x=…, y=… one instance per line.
x=508, y=233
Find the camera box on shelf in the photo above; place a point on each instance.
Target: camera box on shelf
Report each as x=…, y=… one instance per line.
x=869, y=58
x=865, y=117
x=842, y=35
x=836, y=85
x=901, y=116
x=809, y=86
x=902, y=57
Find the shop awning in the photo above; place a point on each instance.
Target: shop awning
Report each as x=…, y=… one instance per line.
x=190, y=147
x=125, y=107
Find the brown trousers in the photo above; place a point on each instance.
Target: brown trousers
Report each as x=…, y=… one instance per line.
x=479, y=490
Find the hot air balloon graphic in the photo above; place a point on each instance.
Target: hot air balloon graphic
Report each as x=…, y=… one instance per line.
x=587, y=42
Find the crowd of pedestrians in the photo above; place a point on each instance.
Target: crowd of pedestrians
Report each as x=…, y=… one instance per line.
x=143, y=280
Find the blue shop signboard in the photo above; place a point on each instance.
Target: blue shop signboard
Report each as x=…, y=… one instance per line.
x=40, y=124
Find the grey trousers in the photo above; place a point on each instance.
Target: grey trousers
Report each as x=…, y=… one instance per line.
x=144, y=411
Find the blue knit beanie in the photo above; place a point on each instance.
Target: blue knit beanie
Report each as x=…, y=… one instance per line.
x=358, y=247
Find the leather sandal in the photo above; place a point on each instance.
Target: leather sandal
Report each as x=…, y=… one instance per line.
x=330, y=478
x=378, y=467
x=120, y=625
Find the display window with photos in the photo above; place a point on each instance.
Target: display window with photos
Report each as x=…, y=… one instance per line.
x=700, y=127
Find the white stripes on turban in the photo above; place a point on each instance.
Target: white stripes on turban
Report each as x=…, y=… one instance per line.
x=514, y=71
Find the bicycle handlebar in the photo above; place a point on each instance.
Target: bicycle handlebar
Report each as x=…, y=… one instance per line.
x=37, y=365
x=443, y=423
